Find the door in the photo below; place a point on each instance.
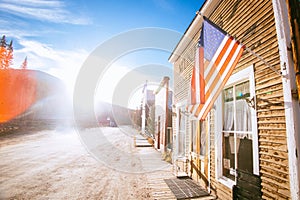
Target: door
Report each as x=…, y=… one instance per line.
x=199, y=152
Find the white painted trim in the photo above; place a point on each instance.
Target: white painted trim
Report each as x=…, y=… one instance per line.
x=292, y=109
x=208, y=151
x=178, y=106
x=254, y=123
x=218, y=140
x=226, y=181
x=240, y=76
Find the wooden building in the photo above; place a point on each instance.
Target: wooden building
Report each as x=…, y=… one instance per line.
x=163, y=117
x=248, y=143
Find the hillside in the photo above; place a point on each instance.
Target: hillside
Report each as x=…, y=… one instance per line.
x=32, y=99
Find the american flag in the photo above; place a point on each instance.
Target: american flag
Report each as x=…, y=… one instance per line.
x=216, y=56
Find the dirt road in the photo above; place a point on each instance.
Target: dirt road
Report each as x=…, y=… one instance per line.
x=55, y=165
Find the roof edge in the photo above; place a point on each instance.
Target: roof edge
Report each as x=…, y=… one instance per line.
x=204, y=10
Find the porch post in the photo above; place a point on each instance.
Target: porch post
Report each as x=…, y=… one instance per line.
x=291, y=104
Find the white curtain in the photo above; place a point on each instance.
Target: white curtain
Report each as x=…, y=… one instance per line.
x=228, y=116
x=243, y=116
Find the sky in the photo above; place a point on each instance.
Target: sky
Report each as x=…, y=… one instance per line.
x=57, y=36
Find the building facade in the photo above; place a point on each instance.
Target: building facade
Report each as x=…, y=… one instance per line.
x=249, y=140
x=163, y=117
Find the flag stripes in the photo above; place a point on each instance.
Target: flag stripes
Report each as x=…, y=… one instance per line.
x=215, y=74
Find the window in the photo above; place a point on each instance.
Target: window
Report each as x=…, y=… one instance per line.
x=203, y=138
x=181, y=131
x=236, y=129
x=194, y=127
x=198, y=137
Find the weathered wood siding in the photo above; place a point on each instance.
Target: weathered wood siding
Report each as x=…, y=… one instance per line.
x=182, y=76
x=251, y=22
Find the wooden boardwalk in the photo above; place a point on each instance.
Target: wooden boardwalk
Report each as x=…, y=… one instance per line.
x=157, y=171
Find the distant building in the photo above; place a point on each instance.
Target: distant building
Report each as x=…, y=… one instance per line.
x=148, y=101
x=163, y=117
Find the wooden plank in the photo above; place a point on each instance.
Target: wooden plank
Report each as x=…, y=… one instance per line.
x=267, y=162
x=274, y=140
x=282, y=169
x=271, y=95
x=282, y=148
x=281, y=162
x=270, y=113
x=271, y=127
x=272, y=122
x=251, y=16
x=273, y=151
x=274, y=183
x=267, y=77
x=268, y=104
x=268, y=84
x=245, y=16
x=248, y=58
x=278, y=133
x=273, y=145
x=270, y=90
x=262, y=69
x=278, y=171
x=271, y=133
x=219, y=10
x=271, y=194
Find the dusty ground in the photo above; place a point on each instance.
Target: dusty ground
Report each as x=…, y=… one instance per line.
x=55, y=165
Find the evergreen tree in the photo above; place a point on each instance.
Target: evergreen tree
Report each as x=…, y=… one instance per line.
x=6, y=53
x=2, y=51
x=24, y=64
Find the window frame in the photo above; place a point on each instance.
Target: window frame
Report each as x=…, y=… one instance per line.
x=244, y=74
x=180, y=106
x=199, y=134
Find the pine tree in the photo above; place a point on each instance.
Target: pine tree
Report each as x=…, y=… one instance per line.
x=24, y=64
x=6, y=53
x=2, y=51
x=9, y=55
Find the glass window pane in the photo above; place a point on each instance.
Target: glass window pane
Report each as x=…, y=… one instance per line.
x=228, y=156
x=194, y=135
x=243, y=116
x=228, y=123
x=242, y=90
x=202, y=138
x=245, y=156
x=228, y=94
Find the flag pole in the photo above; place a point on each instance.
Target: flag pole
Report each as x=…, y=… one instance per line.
x=250, y=51
x=263, y=60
